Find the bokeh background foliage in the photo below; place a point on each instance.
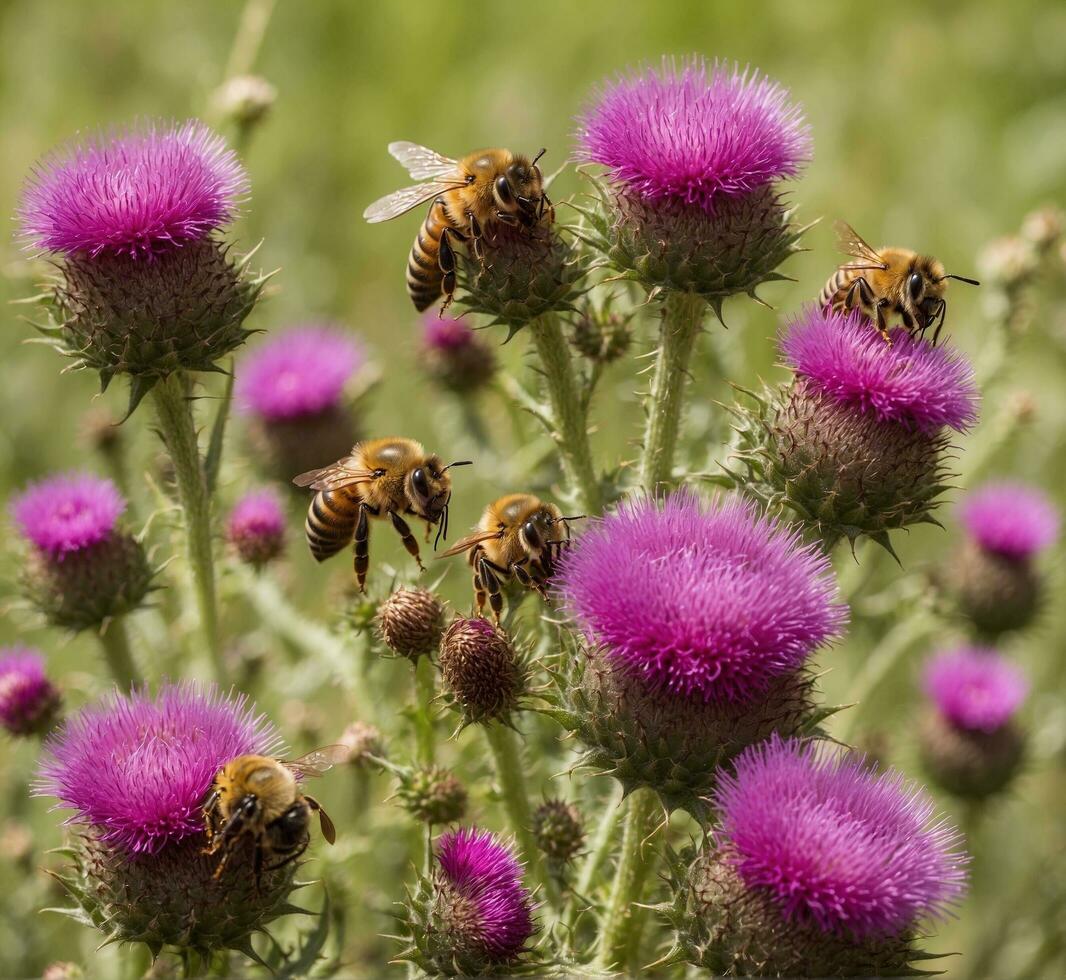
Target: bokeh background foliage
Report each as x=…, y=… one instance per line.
x=934, y=126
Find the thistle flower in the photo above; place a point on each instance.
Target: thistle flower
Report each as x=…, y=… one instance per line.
x=29, y=701
x=559, y=831
x=256, y=527
x=362, y=740
x=602, y=335
x=700, y=622
x=432, y=795
x=693, y=153
x=975, y=688
x=454, y=355
x=481, y=670
x=819, y=867
x=410, y=622
x=1010, y=519
x=292, y=388
x=82, y=568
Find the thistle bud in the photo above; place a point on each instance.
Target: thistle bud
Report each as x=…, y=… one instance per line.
x=559, y=831
x=256, y=528
x=29, y=701
x=1043, y=227
x=600, y=335
x=455, y=356
x=362, y=741
x=481, y=670
x=245, y=99
x=433, y=795
x=410, y=622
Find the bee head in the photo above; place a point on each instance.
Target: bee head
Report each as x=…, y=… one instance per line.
x=520, y=188
x=428, y=488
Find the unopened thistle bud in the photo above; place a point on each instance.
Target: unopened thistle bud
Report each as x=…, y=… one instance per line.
x=694, y=153
x=970, y=744
x=256, y=527
x=29, y=701
x=145, y=288
x=819, y=867
x=482, y=672
x=433, y=795
x=81, y=568
x=698, y=624
x=601, y=335
x=559, y=831
x=410, y=622
x=1043, y=227
x=244, y=100
x=362, y=741
x=292, y=388
x=455, y=356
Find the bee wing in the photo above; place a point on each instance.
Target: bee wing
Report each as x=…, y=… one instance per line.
x=333, y=477
x=850, y=242
x=421, y=162
x=400, y=202
x=317, y=762
x=470, y=541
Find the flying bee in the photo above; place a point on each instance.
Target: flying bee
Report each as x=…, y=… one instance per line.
x=257, y=798
x=518, y=536
x=382, y=478
x=889, y=280
x=470, y=195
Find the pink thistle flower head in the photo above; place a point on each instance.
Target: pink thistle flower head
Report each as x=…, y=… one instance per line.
x=834, y=844
x=480, y=870
x=1010, y=519
x=256, y=526
x=300, y=372
x=708, y=602
x=136, y=192
x=910, y=382
x=136, y=768
x=975, y=688
x=67, y=512
x=28, y=699
x=694, y=132
x=445, y=333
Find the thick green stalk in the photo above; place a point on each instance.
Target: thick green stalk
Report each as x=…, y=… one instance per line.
x=620, y=917
x=116, y=646
x=682, y=318
x=568, y=409
x=174, y=411
x=599, y=848
x=425, y=692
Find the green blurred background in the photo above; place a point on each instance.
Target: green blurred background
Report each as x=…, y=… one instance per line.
x=935, y=126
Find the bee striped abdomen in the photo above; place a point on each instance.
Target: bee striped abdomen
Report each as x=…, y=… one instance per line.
x=424, y=274
x=330, y=522
x=836, y=288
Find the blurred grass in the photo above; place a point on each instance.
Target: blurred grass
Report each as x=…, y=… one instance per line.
x=934, y=126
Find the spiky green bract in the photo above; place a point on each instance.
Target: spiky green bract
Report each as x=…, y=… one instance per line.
x=997, y=593
x=666, y=245
x=559, y=831
x=183, y=310
x=842, y=472
x=600, y=334
x=484, y=675
x=970, y=763
x=171, y=899
x=85, y=588
x=433, y=795
x=670, y=743
x=524, y=274
x=410, y=622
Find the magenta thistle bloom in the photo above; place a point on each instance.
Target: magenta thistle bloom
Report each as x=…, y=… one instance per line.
x=975, y=688
x=67, y=512
x=1010, y=519
x=711, y=602
x=27, y=696
x=136, y=192
x=300, y=372
x=256, y=526
x=137, y=768
x=444, y=333
x=912, y=382
x=695, y=132
x=481, y=870
x=834, y=844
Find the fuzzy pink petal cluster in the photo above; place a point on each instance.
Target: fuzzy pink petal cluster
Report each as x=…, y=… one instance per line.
x=910, y=382
x=137, y=192
x=25, y=689
x=695, y=132
x=258, y=514
x=704, y=601
x=445, y=333
x=836, y=845
x=136, y=768
x=1010, y=519
x=975, y=688
x=67, y=512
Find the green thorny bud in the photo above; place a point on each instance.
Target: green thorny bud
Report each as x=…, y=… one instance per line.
x=672, y=744
x=730, y=930
x=484, y=676
x=433, y=795
x=172, y=899
x=523, y=274
x=182, y=310
x=410, y=622
x=559, y=831
x=971, y=764
x=668, y=246
x=600, y=334
x=86, y=588
x=842, y=472
x=996, y=593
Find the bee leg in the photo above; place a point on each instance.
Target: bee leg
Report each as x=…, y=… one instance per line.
x=475, y=237
x=506, y=218
x=480, y=595
x=409, y=542
x=530, y=581
x=492, y=584
x=298, y=853
x=882, y=324
x=446, y=261
x=939, y=317
x=362, y=547
x=257, y=869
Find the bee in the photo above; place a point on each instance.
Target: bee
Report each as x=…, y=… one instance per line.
x=518, y=536
x=257, y=798
x=470, y=195
x=896, y=280
x=382, y=478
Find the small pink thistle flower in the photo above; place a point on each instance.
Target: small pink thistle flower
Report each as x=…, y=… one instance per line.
x=975, y=688
x=137, y=192
x=67, y=512
x=454, y=355
x=28, y=699
x=443, y=333
x=256, y=527
x=1010, y=519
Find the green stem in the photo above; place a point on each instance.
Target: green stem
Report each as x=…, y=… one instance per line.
x=425, y=692
x=568, y=410
x=116, y=645
x=174, y=411
x=598, y=850
x=249, y=37
x=503, y=742
x=620, y=919
x=681, y=321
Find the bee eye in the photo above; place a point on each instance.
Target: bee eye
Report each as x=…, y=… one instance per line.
x=529, y=529
x=420, y=483
x=914, y=285
x=503, y=190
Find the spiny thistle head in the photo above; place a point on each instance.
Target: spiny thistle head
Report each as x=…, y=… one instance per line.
x=256, y=527
x=410, y=622
x=600, y=334
x=1009, y=519
x=362, y=741
x=482, y=672
x=29, y=701
x=559, y=830
x=433, y=795
x=81, y=568
x=454, y=355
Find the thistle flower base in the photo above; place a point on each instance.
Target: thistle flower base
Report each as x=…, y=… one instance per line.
x=997, y=593
x=970, y=764
x=284, y=448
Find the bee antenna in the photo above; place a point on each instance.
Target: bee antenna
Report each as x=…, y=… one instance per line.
x=576, y=517
x=972, y=282
x=543, y=150
x=458, y=462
